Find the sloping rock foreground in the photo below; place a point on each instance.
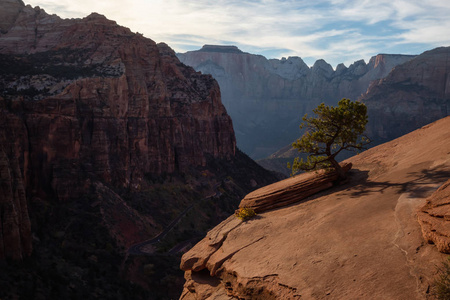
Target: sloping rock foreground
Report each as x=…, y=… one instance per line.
x=356, y=241
x=291, y=190
x=434, y=217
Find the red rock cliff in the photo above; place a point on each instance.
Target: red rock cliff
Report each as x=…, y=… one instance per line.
x=85, y=100
x=412, y=95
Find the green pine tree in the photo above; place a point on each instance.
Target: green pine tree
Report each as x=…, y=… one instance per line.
x=333, y=130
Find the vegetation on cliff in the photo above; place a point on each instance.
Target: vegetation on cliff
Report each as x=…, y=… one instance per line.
x=334, y=130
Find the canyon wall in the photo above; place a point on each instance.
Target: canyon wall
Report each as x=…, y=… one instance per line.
x=267, y=98
x=85, y=101
x=412, y=95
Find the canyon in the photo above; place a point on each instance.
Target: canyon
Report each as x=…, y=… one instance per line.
x=266, y=98
x=105, y=138
x=116, y=157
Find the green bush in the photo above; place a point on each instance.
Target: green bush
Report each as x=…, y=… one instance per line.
x=245, y=213
x=442, y=282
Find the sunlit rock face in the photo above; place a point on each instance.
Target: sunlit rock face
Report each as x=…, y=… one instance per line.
x=267, y=98
x=412, y=95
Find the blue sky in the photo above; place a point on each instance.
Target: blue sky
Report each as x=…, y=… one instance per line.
x=339, y=31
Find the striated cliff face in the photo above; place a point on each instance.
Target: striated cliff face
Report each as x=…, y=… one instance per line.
x=267, y=98
x=412, y=95
x=15, y=225
x=85, y=101
x=360, y=240
x=106, y=141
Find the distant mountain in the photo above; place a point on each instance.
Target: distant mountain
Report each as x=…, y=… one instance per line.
x=266, y=98
x=412, y=95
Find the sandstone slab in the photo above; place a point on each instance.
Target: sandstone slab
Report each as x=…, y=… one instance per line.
x=356, y=241
x=291, y=190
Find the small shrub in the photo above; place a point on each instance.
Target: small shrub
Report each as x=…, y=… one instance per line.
x=442, y=282
x=245, y=213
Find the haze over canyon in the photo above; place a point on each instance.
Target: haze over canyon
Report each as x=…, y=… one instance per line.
x=118, y=155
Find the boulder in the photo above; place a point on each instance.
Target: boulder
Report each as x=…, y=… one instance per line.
x=291, y=190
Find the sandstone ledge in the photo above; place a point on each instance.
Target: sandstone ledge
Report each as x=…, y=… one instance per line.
x=434, y=218
x=361, y=241
x=291, y=190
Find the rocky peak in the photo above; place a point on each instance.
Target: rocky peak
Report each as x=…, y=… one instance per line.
x=413, y=94
x=322, y=68
x=382, y=64
x=9, y=12
x=221, y=49
x=358, y=68
x=96, y=105
x=340, y=68
x=291, y=68
x=97, y=16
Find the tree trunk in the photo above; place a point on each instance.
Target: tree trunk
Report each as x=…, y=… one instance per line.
x=342, y=175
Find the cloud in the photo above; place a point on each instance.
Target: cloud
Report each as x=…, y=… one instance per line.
x=335, y=30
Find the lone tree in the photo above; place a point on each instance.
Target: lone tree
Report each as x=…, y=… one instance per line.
x=333, y=130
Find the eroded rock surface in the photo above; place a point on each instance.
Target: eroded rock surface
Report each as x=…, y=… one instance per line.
x=356, y=241
x=291, y=190
x=106, y=141
x=411, y=96
x=15, y=226
x=86, y=107
x=434, y=217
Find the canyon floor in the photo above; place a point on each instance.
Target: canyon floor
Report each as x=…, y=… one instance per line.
x=360, y=240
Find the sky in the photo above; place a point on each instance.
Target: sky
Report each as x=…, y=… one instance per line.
x=338, y=31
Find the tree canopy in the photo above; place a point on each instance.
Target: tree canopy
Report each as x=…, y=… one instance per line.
x=332, y=131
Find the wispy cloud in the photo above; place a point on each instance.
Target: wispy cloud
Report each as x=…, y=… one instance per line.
x=335, y=30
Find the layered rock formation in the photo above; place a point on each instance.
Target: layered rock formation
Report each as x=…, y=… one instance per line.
x=434, y=218
x=105, y=140
x=357, y=241
x=291, y=190
x=85, y=101
x=412, y=95
x=15, y=226
x=267, y=98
